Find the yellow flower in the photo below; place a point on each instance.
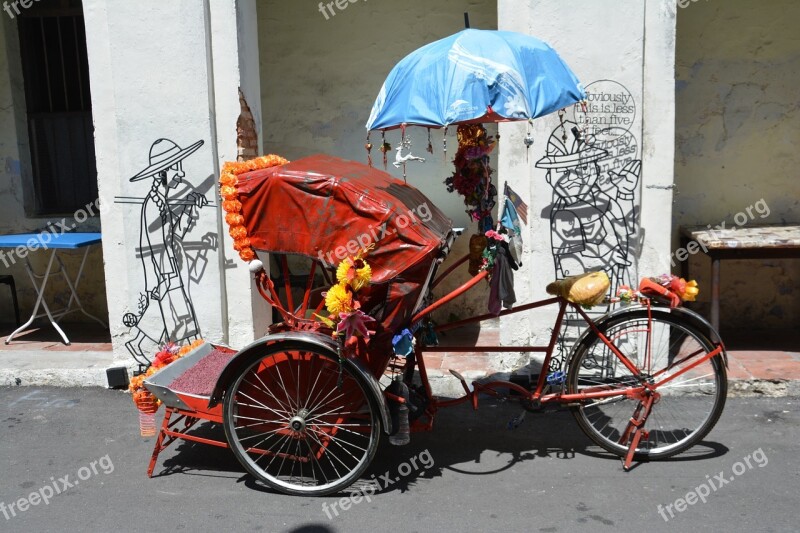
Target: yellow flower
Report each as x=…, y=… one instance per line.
x=339, y=300
x=691, y=292
x=354, y=271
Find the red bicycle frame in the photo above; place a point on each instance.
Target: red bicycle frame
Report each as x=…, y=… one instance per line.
x=645, y=392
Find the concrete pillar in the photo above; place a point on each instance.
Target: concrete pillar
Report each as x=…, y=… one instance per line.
x=169, y=70
x=623, y=52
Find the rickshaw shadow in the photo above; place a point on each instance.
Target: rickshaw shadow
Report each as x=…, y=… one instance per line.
x=480, y=443
x=467, y=442
x=198, y=459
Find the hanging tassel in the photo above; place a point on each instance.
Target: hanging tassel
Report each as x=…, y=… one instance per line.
x=368, y=147
x=385, y=147
x=528, y=140
x=444, y=144
x=561, y=114
x=403, y=145
x=430, y=145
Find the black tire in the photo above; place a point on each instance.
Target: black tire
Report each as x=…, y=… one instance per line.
x=689, y=406
x=291, y=426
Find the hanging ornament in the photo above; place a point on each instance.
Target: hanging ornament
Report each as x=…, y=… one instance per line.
x=528, y=141
x=561, y=114
x=385, y=147
x=368, y=147
x=400, y=160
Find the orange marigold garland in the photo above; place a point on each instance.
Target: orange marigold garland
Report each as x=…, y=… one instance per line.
x=143, y=398
x=233, y=207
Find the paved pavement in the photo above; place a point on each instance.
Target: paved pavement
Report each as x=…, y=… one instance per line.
x=543, y=477
x=759, y=364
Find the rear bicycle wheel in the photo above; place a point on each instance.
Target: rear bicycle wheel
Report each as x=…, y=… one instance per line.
x=294, y=427
x=688, y=406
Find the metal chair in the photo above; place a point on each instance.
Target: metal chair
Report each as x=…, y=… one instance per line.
x=9, y=280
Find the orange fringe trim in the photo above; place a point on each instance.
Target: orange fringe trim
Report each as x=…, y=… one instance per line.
x=233, y=207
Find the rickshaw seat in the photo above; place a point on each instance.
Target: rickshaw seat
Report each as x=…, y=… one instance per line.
x=585, y=289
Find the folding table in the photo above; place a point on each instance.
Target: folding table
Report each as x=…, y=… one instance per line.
x=32, y=242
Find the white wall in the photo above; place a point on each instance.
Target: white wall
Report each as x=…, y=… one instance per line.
x=151, y=79
x=320, y=78
x=600, y=40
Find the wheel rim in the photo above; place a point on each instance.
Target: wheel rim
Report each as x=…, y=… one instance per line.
x=295, y=426
x=686, y=407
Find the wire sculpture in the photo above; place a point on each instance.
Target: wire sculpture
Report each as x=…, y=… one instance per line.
x=167, y=215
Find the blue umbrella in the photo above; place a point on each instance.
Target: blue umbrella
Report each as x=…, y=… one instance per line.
x=475, y=76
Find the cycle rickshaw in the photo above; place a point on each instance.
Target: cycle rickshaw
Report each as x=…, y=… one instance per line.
x=304, y=413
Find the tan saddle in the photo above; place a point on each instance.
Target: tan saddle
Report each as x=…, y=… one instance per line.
x=585, y=289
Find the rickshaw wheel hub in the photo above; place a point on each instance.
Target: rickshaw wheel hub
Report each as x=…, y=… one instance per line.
x=298, y=422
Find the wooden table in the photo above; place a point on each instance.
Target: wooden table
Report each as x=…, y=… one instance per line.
x=751, y=242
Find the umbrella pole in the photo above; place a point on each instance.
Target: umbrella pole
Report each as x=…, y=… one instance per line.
x=466, y=20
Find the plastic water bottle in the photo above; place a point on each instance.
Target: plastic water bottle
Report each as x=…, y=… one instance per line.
x=403, y=434
x=147, y=424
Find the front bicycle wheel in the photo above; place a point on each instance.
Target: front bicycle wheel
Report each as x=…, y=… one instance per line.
x=300, y=423
x=687, y=406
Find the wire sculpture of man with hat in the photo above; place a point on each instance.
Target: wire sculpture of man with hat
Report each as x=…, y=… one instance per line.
x=164, y=223
x=588, y=227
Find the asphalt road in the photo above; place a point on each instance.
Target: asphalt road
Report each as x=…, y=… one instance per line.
x=469, y=474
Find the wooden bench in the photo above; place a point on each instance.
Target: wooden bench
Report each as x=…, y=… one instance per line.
x=751, y=242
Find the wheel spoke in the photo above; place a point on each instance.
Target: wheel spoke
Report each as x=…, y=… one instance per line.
x=289, y=408
x=686, y=408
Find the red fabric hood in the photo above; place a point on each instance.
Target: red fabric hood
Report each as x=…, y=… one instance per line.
x=320, y=205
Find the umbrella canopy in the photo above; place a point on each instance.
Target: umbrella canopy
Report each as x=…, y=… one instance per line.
x=475, y=76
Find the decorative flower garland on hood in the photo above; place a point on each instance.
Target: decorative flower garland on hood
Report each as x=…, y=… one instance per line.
x=231, y=204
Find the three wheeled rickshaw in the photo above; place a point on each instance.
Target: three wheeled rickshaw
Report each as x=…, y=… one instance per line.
x=304, y=407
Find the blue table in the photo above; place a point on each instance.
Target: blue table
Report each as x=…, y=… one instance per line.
x=22, y=245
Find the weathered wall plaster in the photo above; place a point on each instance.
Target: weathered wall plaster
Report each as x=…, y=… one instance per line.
x=738, y=70
x=321, y=76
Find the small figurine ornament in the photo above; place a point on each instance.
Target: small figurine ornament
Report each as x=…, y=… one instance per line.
x=401, y=160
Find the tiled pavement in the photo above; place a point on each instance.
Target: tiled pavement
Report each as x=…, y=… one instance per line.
x=759, y=363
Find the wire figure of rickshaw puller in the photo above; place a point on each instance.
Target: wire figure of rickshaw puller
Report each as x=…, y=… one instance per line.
x=588, y=227
x=164, y=222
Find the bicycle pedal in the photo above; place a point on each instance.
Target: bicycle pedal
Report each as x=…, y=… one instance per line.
x=468, y=388
x=516, y=422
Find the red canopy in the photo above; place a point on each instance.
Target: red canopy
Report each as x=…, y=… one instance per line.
x=328, y=208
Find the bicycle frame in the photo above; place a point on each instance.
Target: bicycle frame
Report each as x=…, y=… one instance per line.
x=645, y=392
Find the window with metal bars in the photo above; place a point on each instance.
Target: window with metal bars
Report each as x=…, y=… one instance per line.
x=55, y=68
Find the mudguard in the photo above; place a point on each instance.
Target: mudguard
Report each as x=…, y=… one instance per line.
x=324, y=343
x=692, y=318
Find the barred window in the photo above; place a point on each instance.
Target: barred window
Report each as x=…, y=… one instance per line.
x=59, y=106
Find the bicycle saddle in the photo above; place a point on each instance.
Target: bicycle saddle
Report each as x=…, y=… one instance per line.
x=585, y=289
